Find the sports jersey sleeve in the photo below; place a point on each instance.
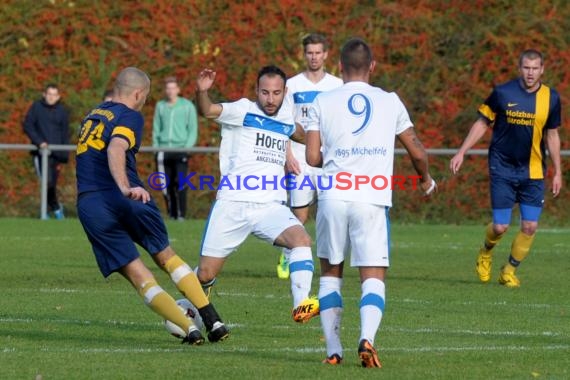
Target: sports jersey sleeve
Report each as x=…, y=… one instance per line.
x=404, y=121
x=314, y=117
x=554, y=118
x=234, y=113
x=129, y=127
x=488, y=110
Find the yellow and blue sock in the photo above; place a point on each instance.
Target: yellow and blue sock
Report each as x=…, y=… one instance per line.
x=519, y=251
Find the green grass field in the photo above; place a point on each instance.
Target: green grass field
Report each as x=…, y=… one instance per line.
x=60, y=319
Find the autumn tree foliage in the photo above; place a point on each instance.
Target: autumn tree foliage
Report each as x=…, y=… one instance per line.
x=442, y=57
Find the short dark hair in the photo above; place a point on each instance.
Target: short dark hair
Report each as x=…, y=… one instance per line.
x=355, y=56
x=170, y=79
x=315, y=38
x=530, y=54
x=51, y=86
x=271, y=71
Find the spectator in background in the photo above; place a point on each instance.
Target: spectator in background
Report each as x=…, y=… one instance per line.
x=175, y=125
x=47, y=122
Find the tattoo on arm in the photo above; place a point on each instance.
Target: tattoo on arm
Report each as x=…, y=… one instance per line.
x=417, y=143
x=416, y=151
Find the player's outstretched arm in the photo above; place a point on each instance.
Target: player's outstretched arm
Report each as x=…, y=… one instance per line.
x=204, y=82
x=313, y=149
x=553, y=146
x=419, y=157
x=477, y=131
x=117, y=165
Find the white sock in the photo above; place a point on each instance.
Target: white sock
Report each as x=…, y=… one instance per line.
x=301, y=273
x=371, y=308
x=330, y=301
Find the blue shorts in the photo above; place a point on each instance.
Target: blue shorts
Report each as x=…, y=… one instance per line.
x=505, y=192
x=114, y=223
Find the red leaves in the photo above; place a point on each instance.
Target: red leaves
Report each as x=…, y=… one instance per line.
x=442, y=60
x=57, y=43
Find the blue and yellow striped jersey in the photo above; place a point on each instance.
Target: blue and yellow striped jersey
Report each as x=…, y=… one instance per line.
x=109, y=120
x=519, y=120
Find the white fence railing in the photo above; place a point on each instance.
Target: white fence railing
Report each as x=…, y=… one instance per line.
x=44, y=152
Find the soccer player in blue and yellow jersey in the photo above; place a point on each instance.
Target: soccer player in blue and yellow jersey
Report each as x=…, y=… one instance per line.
x=524, y=115
x=116, y=211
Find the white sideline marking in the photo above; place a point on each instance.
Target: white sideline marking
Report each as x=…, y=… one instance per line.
x=300, y=350
x=555, y=347
x=60, y=290
x=41, y=238
x=554, y=230
x=88, y=322
x=274, y=296
x=68, y=290
x=290, y=327
x=75, y=321
x=444, y=331
x=403, y=300
x=475, y=332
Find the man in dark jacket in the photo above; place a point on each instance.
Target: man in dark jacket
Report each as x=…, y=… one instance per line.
x=47, y=122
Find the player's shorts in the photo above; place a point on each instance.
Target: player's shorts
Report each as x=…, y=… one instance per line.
x=362, y=228
x=114, y=223
x=505, y=192
x=305, y=193
x=230, y=223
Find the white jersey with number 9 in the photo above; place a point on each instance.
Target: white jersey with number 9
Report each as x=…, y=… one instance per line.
x=358, y=124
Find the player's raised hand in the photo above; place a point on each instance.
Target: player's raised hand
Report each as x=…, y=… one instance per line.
x=205, y=79
x=138, y=194
x=456, y=163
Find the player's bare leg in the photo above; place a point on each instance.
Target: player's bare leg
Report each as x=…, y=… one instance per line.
x=371, y=310
x=302, y=213
x=207, y=270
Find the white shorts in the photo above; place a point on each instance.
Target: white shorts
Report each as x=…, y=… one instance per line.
x=361, y=227
x=231, y=222
x=306, y=195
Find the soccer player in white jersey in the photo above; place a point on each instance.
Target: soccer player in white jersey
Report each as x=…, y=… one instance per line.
x=355, y=126
x=250, y=198
x=301, y=91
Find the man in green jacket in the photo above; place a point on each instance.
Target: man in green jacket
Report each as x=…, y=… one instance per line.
x=175, y=125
